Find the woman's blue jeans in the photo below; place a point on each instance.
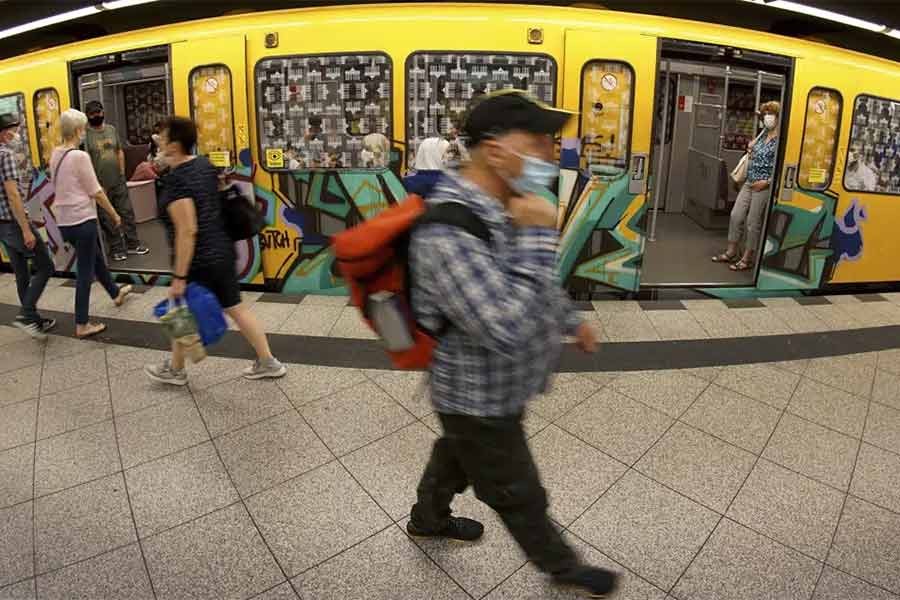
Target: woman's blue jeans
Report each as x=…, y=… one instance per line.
x=89, y=263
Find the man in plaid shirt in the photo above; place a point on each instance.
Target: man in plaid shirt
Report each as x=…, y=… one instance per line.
x=20, y=238
x=506, y=314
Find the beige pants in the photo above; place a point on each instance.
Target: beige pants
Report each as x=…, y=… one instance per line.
x=747, y=216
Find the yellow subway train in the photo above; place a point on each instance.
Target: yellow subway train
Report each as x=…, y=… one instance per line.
x=318, y=113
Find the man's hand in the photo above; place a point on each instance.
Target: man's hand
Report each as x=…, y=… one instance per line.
x=759, y=185
x=176, y=290
x=116, y=219
x=586, y=337
x=28, y=237
x=532, y=211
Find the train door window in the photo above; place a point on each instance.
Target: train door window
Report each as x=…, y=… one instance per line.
x=873, y=157
x=328, y=111
x=212, y=110
x=46, y=115
x=441, y=86
x=607, y=92
x=15, y=104
x=820, y=138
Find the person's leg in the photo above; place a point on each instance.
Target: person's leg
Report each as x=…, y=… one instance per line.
x=11, y=236
x=738, y=219
x=755, y=216
x=251, y=329
x=83, y=238
x=494, y=454
x=43, y=269
x=122, y=203
x=101, y=270
x=170, y=371
x=443, y=478
x=115, y=242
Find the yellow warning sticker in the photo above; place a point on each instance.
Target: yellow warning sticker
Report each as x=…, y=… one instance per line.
x=817, y=175
x=275, y=158
x=220, y=159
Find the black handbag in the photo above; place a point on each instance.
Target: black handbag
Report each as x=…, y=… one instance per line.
x=243, y=220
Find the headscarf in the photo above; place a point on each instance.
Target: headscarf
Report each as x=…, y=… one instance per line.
x=431, y=154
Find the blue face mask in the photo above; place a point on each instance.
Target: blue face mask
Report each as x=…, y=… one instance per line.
x=536, y=175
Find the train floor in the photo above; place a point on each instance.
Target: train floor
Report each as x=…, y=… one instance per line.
x=741, y=449
x=682, y=254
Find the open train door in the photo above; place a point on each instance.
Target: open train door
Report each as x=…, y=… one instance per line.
x=609, y=78
x=210, y=83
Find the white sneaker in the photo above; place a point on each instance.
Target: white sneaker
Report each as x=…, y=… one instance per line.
x=164, y=373
x=270, y=369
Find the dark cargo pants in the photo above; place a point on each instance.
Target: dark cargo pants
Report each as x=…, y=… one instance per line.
x=492, y=455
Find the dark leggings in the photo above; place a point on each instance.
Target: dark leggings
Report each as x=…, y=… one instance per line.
x=89, y=263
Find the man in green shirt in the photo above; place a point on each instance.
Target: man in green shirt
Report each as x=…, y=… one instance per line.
x=103, y=145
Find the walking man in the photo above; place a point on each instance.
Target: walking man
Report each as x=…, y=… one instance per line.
x=506, y=314
x=103, y=145
x=21, y=239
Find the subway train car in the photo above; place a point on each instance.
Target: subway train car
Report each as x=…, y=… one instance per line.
x=318, y=113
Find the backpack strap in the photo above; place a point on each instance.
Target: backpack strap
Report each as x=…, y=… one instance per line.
x=456, y=214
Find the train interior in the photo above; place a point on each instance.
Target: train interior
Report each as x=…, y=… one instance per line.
x=135, y=89
x=707, y=98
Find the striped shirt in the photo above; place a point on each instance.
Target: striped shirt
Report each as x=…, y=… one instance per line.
x=503, y=300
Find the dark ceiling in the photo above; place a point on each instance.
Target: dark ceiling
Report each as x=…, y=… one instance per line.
x=727, y=12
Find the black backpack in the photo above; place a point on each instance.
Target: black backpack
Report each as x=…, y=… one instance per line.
x=243, y=220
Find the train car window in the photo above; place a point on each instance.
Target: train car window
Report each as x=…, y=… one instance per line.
x=15, y=104
x=607, y=95
x=46, y=115
x=213, y=111
x=873, y=156
x=821, y=130
x=324, y=111
x=440, y=86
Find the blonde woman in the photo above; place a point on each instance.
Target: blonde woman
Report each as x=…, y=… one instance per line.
x=77, y=194
x=749, y=208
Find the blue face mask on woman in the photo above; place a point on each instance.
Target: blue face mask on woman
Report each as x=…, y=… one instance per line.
x=536, y=174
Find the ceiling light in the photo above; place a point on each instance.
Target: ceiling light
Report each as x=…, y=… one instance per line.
x=822, y=14
x=894, y=33
x=46, y=22
x=123, y=3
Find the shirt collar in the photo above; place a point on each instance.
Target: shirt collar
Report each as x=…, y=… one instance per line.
x=486, y=207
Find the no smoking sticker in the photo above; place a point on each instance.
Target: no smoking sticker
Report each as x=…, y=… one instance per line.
x=211, y=85
x=609, y=82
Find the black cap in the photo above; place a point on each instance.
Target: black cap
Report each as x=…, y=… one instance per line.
x=503, y=111
x=93, y=107
x=8, y=120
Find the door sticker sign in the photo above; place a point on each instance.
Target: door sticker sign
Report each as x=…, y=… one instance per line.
x=274, y=158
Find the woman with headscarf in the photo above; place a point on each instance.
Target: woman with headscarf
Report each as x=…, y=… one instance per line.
x=430, y=161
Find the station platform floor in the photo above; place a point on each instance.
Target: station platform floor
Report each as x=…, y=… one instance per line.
x=747, y=450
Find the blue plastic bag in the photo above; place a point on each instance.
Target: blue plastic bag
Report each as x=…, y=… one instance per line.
x=206, y=310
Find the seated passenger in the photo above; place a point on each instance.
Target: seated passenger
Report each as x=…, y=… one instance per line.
x=430, y=161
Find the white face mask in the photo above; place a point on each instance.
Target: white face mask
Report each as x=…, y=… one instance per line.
x=769, y=121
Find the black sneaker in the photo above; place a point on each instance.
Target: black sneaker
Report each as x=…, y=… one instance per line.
x=119, y=256
x=47, y=324
x=458, y=528
x=32, y=328
x=140, y=250
x=590, y=581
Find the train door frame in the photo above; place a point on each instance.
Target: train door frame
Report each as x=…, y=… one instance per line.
x=670, y=50
x=601, y=240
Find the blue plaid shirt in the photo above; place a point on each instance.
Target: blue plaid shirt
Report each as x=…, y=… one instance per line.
x=503, y=300
x=8, y=172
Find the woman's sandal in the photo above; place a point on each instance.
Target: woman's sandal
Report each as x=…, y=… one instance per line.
x=724, y=258
x=92, y=330
x=741, y=265
x=124, y=292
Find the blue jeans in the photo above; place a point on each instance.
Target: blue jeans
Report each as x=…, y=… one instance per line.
x=30, y=287
x=89, y=263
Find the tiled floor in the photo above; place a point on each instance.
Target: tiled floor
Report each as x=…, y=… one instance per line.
x=774, y=481
x=769, y=481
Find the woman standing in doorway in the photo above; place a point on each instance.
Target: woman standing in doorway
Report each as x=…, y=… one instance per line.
x=748, y=212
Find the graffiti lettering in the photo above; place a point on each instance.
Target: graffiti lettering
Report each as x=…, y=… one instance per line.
x=274, y=239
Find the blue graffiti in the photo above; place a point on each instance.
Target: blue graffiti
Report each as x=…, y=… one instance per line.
x=847, y=240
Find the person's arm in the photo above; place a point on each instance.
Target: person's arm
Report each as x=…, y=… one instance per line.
x=184, y=217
